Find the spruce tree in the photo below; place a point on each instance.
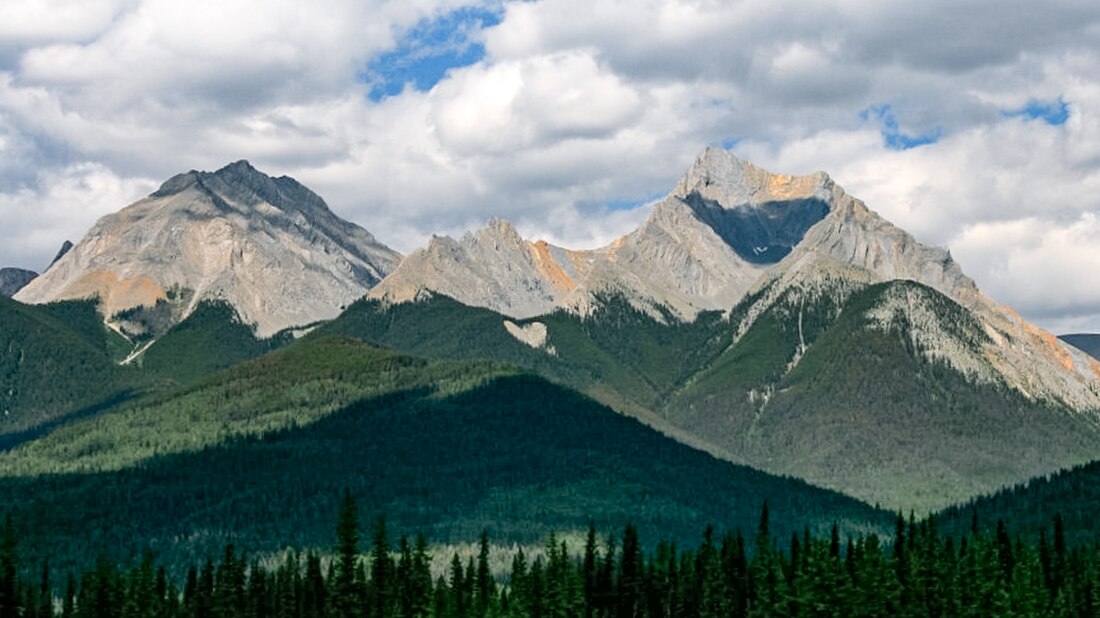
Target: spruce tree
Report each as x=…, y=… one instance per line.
x=346, y=595
x=485, y=590
x=381, y=571
x=630, y=575
x=9, y=571
x=589, y=570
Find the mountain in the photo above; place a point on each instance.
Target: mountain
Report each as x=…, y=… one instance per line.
x=260, y=453
x=493, y=268
x=269, y=247
x=1087, y=343
x=14, y=279
x=694, y=253
x=771, y=320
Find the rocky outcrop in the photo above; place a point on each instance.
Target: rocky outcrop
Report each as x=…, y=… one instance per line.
x=494, y=268
x=268, y=246
x=65, y=248
x=14, y=279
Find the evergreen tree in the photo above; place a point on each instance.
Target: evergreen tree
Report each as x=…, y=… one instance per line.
x=420, y=588
x=458, y=588
x=381, y=571
x=589, y=570
x=630, y=575
x=346, y=593
x=10, y=606
x=485, y=589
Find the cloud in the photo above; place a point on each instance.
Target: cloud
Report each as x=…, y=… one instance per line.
x=568, y=116
x=61, y=206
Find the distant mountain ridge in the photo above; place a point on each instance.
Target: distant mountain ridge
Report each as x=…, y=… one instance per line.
x=268, y=246
x=1086, y=342
x=14, y=279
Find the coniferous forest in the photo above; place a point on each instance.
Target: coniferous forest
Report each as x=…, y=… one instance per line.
x=918, y=572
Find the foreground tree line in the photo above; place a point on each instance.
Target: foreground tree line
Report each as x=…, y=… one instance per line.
x=917, y=573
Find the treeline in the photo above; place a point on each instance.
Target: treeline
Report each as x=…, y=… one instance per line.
x=917, y=573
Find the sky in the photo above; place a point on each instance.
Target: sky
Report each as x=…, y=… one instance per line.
x=973, y=124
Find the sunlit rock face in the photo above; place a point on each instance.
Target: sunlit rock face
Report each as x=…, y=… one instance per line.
x=268, y=246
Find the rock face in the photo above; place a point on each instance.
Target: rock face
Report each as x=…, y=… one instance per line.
x=701, y=249
x=14, y=279
x=493, y=268
x=268, y=246
x=65, y=248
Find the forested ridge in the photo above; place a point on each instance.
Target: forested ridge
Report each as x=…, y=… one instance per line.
x=917, y=572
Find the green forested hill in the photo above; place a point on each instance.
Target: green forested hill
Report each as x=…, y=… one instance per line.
x=866, y=411
x=803, y=384
x=1072, y=494
x=55, y=361
x=211, y=338
x=434, y=446
x=618, y=355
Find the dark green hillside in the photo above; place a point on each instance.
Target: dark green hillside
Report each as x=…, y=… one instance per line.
x=1072, y=494
x=292, y=387
x=619, y=355
x=213, y=337
x=54, y=362
x=865, y=411
x=516, y=454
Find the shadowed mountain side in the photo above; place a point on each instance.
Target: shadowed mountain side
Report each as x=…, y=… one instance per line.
x=517, y=456
x=54, y=360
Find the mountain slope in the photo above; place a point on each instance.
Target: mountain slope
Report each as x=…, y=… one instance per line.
x=444, y=448
x=882, y=391
x=55, y=360
x=886, y=396
x=268, y=246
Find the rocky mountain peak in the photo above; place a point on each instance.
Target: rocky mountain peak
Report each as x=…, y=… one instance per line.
x=719, y=176
x=497, y=231
x=269, y=246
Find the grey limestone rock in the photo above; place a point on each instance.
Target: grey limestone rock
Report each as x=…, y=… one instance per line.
x=268, y=246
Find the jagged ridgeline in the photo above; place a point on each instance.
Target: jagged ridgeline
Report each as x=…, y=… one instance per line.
x=250, y=455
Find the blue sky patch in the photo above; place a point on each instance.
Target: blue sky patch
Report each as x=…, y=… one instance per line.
x=631, y=204
x=1054, y=112
x=892, y=135
x=429, y=49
